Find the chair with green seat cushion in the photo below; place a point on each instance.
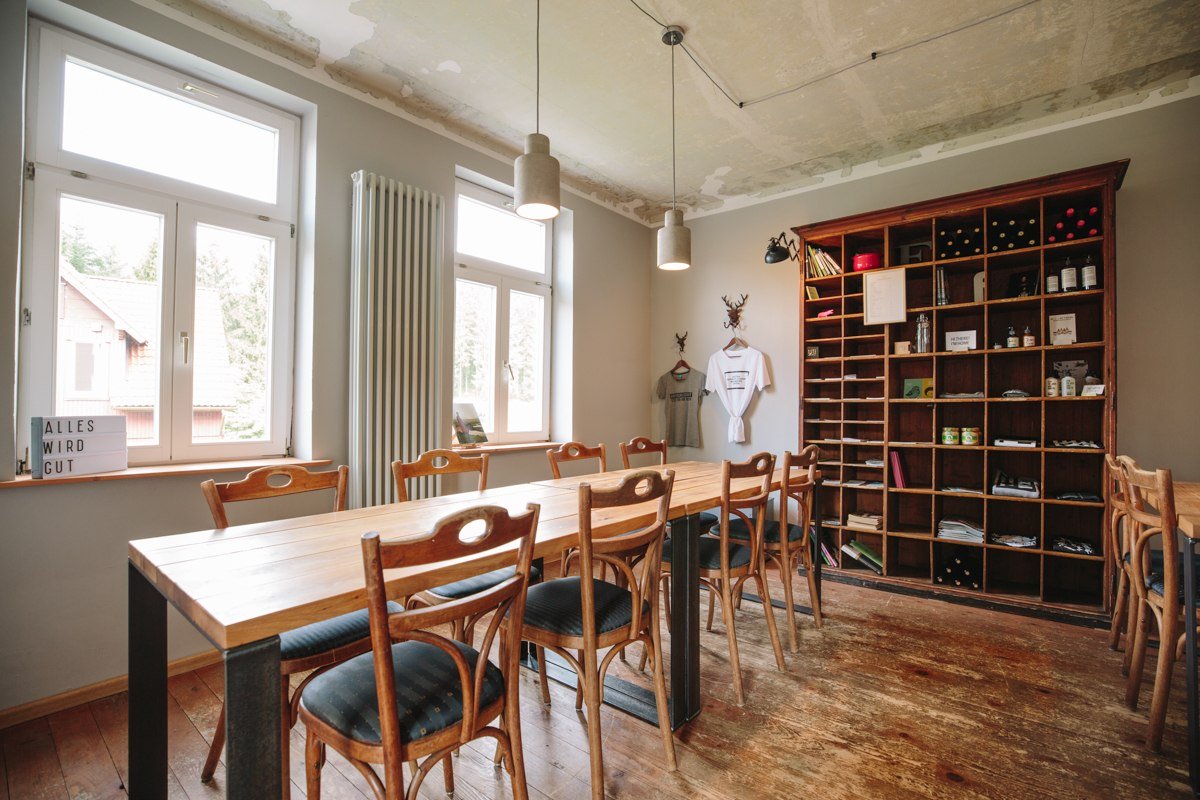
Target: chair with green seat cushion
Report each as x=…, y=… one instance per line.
x=575, y=617
x=311, y=648
x=408, y=700
x=440, y=463
x=725, y=565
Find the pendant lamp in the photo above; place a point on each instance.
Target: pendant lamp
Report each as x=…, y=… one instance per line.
x=535, y=174
x=674, y=238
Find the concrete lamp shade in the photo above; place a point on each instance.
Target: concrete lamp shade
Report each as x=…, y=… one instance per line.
x=674, y=243
x=535, y=179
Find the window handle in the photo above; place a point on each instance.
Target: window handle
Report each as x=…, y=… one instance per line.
x=511, y=375
x=186, y=341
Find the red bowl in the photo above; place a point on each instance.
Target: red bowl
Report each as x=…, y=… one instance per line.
x=865, y=261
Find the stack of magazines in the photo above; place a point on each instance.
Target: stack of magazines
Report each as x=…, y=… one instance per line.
x=864, y=520
x=960, y=529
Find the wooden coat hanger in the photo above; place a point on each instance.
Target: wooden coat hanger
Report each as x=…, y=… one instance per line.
x=681, y=367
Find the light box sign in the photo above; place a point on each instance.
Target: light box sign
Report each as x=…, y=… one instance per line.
x=62, y=446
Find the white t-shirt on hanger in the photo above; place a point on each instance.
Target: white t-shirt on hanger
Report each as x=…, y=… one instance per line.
x=734, y=376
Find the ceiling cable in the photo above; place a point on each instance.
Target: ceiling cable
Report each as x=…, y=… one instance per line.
x=874, y=56
x=672, y=128
x=537, y=58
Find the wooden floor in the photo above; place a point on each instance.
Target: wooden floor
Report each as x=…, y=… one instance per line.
x=897, y=697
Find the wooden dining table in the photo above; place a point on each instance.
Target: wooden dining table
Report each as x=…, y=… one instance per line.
x=244, y=585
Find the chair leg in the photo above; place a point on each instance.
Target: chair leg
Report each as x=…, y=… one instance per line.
x=735, y=663
x=1162, y=682
x=314, y=760
x=769, y=611
x=712, y=604
x=1137, y=663
x=1130, y=623
x=448, y=773
x=1119, y=608
x=579, y=684
x=666, y=593
x=512, y=726
x=591, y=689
x=814, y=599
x=789, y=602
x=214, y=749
x=543, y=680
x=660, y=695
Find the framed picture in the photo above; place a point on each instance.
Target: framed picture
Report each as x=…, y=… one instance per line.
x=812, y=351
x=467, y=427
x=811, y=293
x=885, y=297
x=1062, y=329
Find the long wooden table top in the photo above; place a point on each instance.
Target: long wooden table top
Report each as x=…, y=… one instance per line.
x=1187, y=507
x=248, y=582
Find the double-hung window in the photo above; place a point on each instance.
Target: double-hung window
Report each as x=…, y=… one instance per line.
x=502, y=293
x=158, y=275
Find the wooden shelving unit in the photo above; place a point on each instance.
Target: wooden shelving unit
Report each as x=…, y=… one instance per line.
x=865, y=418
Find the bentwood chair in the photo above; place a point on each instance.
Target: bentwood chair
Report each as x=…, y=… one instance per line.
x=448, y=462
x=567, y=453
x=642, y=445
x=797, y=486
x=314, y=647
x=1125, y=604
x=1149, y=500
x=726, y=564
x=582, y=614
x=418, y=695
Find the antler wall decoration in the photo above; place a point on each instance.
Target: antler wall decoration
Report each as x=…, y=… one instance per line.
x=681, y=342
x=734, y=310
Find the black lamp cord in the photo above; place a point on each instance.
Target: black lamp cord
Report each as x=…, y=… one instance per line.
x=537, y=49
x=672, y=127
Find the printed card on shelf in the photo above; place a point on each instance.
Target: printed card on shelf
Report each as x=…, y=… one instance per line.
x=1062, y=329
x=960, y=340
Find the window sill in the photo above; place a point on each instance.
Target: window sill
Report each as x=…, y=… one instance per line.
x=501, y=449
x=167, y=470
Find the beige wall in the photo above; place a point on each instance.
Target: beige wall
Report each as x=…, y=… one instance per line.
x=63, y=549
x=1158, y=278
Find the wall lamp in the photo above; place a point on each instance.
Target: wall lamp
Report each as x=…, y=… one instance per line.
x=781, y=249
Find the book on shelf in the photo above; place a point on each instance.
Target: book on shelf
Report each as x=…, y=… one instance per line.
x=898, y=476
x=860, y=558
x=960, y=529
x=830, y=561
x=820, y=263
x=867, y=553
x=1004, y=485
x=864, y=520
x=1006, y=441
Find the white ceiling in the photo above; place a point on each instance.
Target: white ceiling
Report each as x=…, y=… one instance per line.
x=946, y=70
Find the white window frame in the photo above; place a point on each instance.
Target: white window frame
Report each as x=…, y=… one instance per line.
x=56, y=47
x=506, y=278
x=181, y=205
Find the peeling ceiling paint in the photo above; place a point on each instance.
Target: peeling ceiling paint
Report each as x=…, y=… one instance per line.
x=467, y=66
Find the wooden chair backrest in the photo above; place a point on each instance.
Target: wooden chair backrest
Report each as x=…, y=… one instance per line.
x=576, y=451
x=759, y=465
x=447, y=541
x=438, y=462
x=1118, y=540
x=622, y=551
x=1149, y=513
x=258, y=485
x=798, y=483
x=641, y=445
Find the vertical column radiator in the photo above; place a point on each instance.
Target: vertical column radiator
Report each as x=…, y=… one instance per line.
x=396, y=258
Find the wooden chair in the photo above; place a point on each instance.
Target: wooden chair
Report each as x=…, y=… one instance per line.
x=448, y=462
x=438, y=462
x=574, y=614
x=1149, y=501
x=1125, y=604
x=576, y=451
x=314, y=647
x=418, y=695
x=641, y=445
x=726, y=565
x=798, y=483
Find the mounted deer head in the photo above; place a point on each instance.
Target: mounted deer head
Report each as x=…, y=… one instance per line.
x=734, y=310
x=681, y=342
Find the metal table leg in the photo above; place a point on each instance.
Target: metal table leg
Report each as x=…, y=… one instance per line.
x=147, y=689
x=1189, y=617
x=253, y=733
x=685, y=620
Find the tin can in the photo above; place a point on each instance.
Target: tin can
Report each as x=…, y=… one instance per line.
x=950, y=436
x=1052, y=386
x=971, y=436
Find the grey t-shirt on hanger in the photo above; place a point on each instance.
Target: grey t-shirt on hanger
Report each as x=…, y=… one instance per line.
x=682, y=393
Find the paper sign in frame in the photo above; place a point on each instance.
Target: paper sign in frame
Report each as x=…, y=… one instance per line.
x=885, y=297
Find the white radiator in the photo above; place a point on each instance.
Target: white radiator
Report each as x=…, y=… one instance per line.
x=396, y=259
